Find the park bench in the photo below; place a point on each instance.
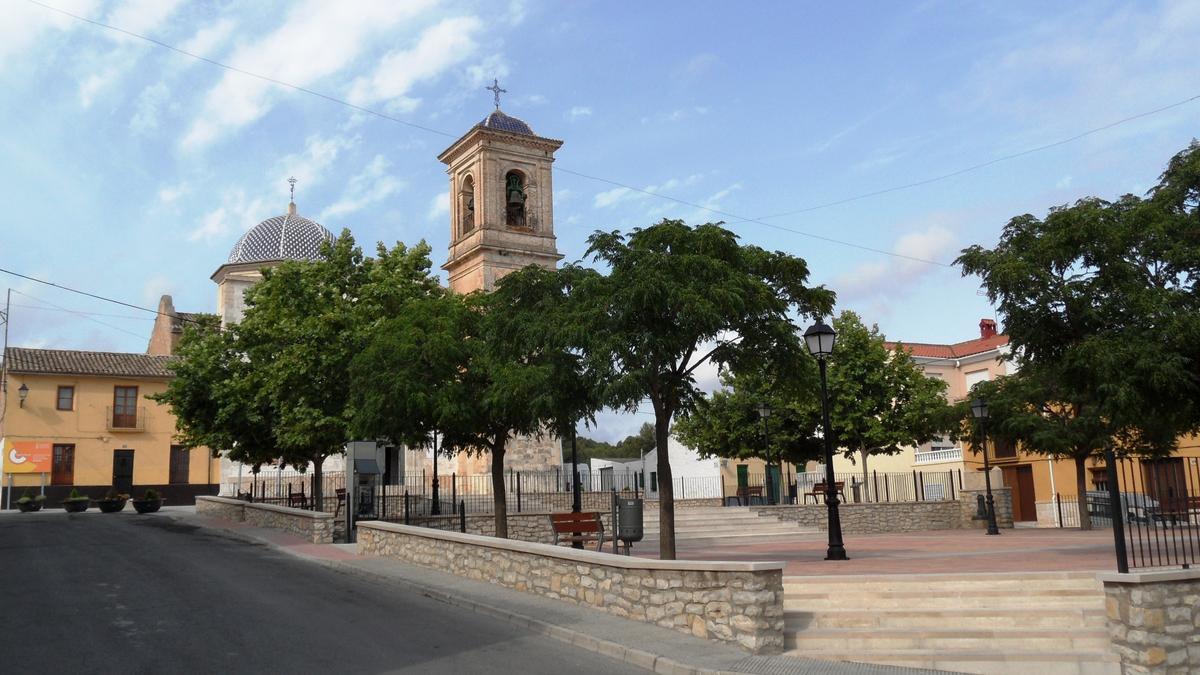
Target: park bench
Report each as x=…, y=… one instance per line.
x=341, y=501
x=582, y=528
x=818, y=490
x=297, y=500
x=746, y=493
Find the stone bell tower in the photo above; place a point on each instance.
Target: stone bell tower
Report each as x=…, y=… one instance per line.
x=501, y=202
x=501, y=219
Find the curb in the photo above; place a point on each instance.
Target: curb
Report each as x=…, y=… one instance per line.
x=613, y=650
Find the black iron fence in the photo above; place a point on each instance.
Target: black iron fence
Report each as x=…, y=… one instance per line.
x=808, y=487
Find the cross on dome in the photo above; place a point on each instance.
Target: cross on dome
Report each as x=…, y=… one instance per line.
x=495, y=89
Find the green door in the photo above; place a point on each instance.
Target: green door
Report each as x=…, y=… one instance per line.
x=776, y=482
x=743, y=475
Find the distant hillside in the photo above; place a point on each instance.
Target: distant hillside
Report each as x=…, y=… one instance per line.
x=630, y=446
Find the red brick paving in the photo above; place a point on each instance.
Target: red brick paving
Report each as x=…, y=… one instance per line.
x=941, y=551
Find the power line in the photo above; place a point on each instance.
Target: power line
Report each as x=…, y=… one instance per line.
x=737, y=219
x=79, y=312
x=93, y=295
x=92, y=319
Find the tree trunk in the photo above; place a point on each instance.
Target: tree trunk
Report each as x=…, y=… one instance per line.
x=1085, y=518
x=864, y=453
x=499, y=495
x=318, y=486
x=666, y=486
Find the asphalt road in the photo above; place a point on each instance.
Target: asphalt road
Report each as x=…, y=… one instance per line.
x=100, y=593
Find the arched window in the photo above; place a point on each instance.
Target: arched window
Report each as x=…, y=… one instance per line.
x=514, y=199
x=466, y=197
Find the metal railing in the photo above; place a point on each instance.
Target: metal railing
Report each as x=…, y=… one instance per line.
x=935, y=456
x=125, y=421
x=802, y=488
x=1160, y=511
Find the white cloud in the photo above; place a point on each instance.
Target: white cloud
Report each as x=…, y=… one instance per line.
x=136, y=16
x=308, y=167
x=439, y=206
x=24, y=23
x=140, y=16
x=170, y=193
x=579, y=111
x=149, y=104
x=439, y=47
x=235, y=213
x=617, y=195
x=155, y=288
x=889, y=276
x=210, y=37
x=677, y=115
x=373, y=185
x=337, y=31
x=1064, y=182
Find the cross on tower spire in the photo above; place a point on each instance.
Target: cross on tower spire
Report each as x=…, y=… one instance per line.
x=292, y=181
x=495, y=89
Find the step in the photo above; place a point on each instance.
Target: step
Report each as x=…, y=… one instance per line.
x=733, y=529
x=975, y=618
x=983, y=662
x=949, y=587
x=1056, y=598
x=958, y=640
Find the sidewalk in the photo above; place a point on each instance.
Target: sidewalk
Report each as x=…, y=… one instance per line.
x=647, y=646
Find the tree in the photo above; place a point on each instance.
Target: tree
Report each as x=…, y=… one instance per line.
x=1102, y=309
x=881, y=401
x=677, y=297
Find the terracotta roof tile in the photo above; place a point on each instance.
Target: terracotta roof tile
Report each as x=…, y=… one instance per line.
x=70, y=362
x=957, y=350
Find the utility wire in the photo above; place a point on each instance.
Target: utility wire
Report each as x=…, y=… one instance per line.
x=93, y=295
x=736, y=218
x=79, y=312
x=92, y=319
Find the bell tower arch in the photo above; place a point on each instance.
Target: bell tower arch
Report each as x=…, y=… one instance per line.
x=501, y=210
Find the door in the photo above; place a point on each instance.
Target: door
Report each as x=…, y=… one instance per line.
x=1165, y=481
x=125, y=407
x=743, y=475
x=776, y=482
x=1019, y=479
x=63, y=468
x=122, y=480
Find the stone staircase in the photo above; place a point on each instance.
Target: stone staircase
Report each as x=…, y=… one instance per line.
x=1050, y=622
x=721, y=523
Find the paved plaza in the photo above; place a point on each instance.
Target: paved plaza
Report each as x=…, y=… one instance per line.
x=944, y=551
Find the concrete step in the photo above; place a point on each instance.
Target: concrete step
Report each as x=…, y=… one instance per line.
x=731, y=529
x=975, y=598
x=967, y=619
x=954, y=640
x=984, y=662
x=949, y=587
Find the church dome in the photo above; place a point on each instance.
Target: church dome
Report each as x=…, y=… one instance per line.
x=286, y=237
x=501, y=122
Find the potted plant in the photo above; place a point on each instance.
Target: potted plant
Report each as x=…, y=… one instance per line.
x=30, y=502
x=113, y=502
x=76, y=503
x=150, y=503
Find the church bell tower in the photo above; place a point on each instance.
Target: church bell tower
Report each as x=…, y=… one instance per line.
x=501, y=201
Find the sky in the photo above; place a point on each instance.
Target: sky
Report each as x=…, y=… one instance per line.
x=130, y=170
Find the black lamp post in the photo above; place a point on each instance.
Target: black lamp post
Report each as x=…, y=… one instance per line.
x=820, y=339
x=764, y=411
x=576, y=497
x=22, y=394
x=435, y=509
x=980, y=410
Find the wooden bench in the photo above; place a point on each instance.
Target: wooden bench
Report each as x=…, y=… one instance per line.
x=1176, y=510
x=746, y=493
x=581, y=528
x=297, y=500
x=341, y=501
x=818, y=490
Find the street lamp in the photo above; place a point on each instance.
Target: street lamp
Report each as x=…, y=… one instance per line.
x=820, y=339
x=980, y=410
x=435, y=509
x=22, y=394
x=764, y=411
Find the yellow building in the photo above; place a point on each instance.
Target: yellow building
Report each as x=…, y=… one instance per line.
x=81, y=420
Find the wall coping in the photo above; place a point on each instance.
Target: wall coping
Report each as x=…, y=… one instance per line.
x=575, y=555
x=286, y=510
x=1157, y=576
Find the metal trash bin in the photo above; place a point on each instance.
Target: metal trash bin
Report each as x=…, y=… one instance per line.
x=630, y=525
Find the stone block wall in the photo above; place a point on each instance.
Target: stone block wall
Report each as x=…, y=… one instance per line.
x=532, y=527
x=886, y=517
x=315, y=526
x=1001, y=498
x=1154, y=620
x=738, y=603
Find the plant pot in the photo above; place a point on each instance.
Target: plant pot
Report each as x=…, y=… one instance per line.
x=147, y=505
x=111, y=505
x=30, y=506
x=75, y=505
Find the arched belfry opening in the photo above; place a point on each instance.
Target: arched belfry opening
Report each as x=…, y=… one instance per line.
x=466, y=196
x=514, y=199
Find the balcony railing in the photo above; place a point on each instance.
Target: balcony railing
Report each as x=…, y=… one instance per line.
x=125, y=421
x=936, y=456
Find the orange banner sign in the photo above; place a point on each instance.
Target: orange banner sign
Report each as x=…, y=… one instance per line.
x=28, y=457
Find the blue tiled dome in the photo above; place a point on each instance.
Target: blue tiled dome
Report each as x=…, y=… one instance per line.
x=286, y=237
x=501, y=122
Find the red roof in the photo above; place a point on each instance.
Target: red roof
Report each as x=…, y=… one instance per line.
x=957, y=350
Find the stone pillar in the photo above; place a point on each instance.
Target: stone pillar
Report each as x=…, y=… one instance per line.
x=1154, y=620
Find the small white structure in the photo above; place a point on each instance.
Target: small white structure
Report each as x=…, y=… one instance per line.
x=693, y=476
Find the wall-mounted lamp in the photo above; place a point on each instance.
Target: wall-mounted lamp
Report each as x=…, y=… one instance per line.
x=23, y=393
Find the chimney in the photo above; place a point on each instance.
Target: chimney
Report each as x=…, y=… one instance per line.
x=987, y=328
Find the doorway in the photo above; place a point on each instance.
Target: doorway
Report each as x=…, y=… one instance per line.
x=122, y=480
x=1019, y=479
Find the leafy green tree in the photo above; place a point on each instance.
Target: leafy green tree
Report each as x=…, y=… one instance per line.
x=880, y=400
x=677, y=297
x=1102, y=309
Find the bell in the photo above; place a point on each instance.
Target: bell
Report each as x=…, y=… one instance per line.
x=515, y=197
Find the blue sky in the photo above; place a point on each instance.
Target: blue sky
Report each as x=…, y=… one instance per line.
x=131, y=170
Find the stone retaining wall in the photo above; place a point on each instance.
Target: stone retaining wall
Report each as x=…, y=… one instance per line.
x=315, y=526
x=886, y=517
x=533, y=527
x=739, y=603
x=1154, y=620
